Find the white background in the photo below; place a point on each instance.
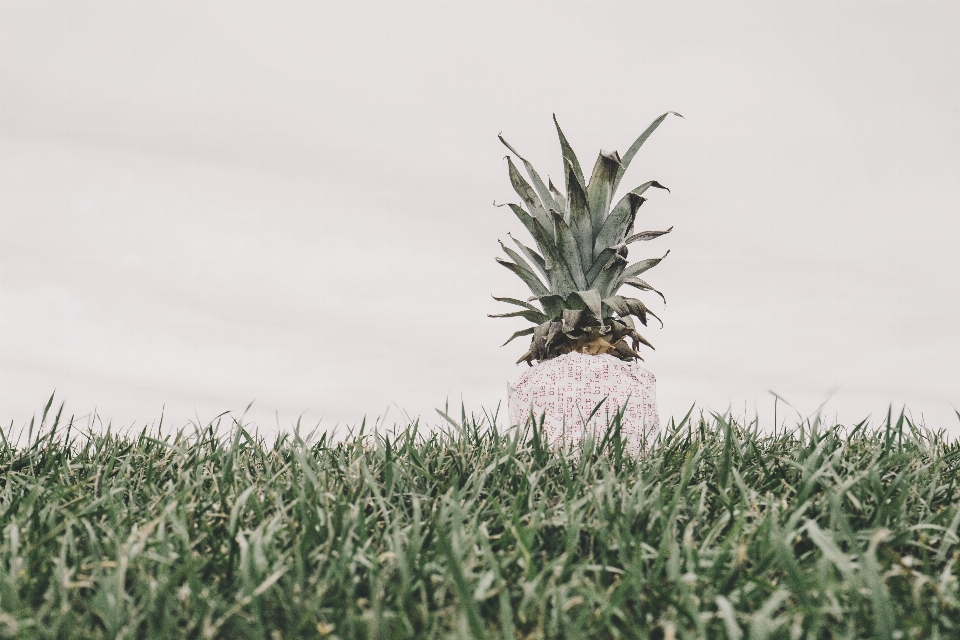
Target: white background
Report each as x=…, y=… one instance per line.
x=208, y=203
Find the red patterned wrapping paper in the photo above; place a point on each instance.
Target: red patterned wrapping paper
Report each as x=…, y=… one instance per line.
x=566, y=389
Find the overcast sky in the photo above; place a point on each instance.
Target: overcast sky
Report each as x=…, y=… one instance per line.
x=208, y=203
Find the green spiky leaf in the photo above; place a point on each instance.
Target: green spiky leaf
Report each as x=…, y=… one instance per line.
x=533, y=256
x=635, y=147
x=650, y=184
x=529, y=278
x=522, y=332
x=532, y=316
x=559, y=198
x=607, y=281
x=569, y=157
x=646, y=235
x=553, y=304
x=580, y=222
x=519, y=303
x=644, y=265
x=630, y=307
x=561, y=280
x=601, y=261
x=525, y=218
x=618, y=222
x=643, y=286
x=543, y=239
x=513, y=255
x=569, y=251
x=546, y=196
x=600, y=187
x=589, y=300
x=528, y=195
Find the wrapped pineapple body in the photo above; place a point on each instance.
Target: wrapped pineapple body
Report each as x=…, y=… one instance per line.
x=584, y=343
x=566, y=390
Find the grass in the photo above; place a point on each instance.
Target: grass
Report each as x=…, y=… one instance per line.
x=720, y=531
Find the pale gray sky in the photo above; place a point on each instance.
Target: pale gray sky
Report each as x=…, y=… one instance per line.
x=207, y=203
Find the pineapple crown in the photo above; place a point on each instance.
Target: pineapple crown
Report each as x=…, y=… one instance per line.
x=581, y=255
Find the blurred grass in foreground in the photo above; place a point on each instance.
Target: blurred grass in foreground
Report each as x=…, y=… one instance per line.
x=719, y=531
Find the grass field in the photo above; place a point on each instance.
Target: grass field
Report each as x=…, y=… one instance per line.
x=720, y=531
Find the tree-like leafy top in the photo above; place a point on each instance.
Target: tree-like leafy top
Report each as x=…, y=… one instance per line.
x=580, y=261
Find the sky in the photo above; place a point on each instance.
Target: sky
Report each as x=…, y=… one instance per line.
x=208, y=204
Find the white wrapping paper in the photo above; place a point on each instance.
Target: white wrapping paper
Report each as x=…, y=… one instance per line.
x=566, y=389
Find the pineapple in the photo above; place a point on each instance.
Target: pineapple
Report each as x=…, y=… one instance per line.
x=581, y=259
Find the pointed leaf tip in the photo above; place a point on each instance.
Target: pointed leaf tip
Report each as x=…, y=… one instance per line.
x=570, y=158
x=509, y=146
x=612, y=156
x=522, y=332
x=635, y=147
x=647, y=235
